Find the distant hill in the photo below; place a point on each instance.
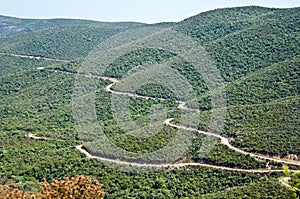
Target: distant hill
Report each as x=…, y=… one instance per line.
x=13, y=26
x=56, y=38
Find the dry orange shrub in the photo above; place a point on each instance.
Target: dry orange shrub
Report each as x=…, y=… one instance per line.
x=76, y=187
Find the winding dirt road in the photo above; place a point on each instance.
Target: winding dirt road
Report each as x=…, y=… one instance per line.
x=164, y=166
x=168, y=122
x=224, y=140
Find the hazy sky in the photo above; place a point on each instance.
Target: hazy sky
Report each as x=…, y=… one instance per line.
x=148, y=11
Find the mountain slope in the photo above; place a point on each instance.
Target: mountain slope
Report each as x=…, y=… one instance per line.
x=257, y=37
x=56, y=38
x=271, y=83
x=14, y=26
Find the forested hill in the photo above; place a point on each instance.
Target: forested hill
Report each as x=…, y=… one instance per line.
x=56, y=38
x=242, y=40
x=10, y=26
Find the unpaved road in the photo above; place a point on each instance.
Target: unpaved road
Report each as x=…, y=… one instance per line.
x=165, y=166
x=168, y=122
x=224, y=140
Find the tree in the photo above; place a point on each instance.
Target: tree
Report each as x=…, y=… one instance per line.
x=294, y=182
x=76, y=187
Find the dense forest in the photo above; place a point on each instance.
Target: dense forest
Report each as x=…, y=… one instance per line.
x=255, y=49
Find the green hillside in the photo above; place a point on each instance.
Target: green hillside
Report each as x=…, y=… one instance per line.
x=271, y=83
x=209, y=26
x=257, y=53
x=56, y=38
x=256, y=37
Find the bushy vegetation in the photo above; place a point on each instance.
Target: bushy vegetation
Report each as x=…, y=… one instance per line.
x=262, y=86
x=37, y=101
x=246, y=39
x=208, y=26
x=269, y=129
x=256, y=50
x=295, y=185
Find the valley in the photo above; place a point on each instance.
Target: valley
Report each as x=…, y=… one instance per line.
x=255, y=49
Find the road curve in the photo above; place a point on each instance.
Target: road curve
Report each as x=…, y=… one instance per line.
x=164, y=166
x=168, y=122
x=224, y=140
